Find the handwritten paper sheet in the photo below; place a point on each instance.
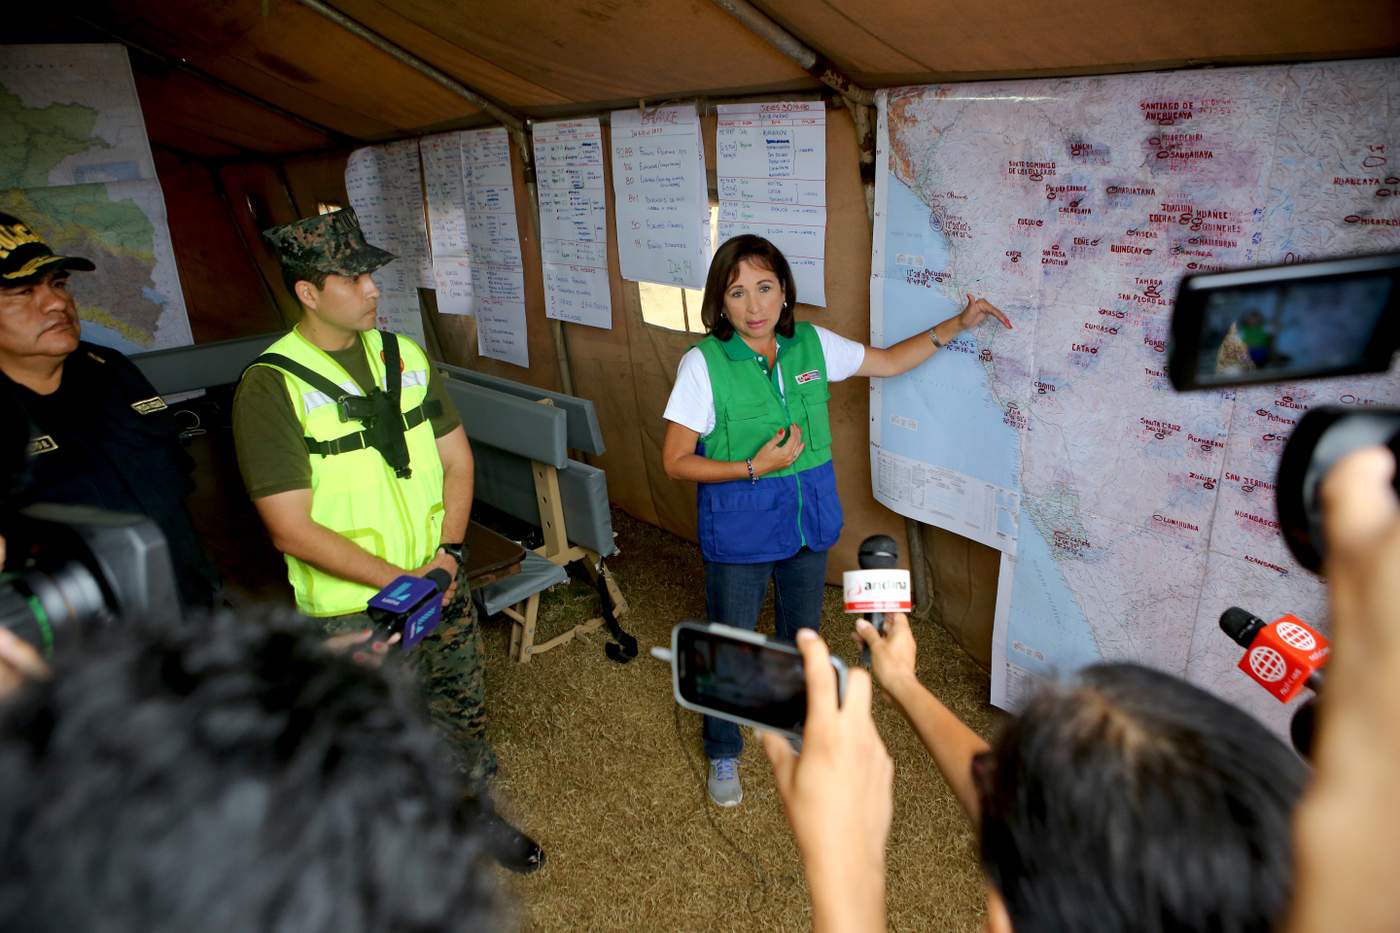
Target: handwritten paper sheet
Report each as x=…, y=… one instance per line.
x=662, y=202
x=386, y=190
x=454, y=284
x=772, y=182
x=573, y=221
x=442, y=180
x=493, y=244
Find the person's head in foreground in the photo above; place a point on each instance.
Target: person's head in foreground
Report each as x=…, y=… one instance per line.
x=1128, y=799
x=229, y=775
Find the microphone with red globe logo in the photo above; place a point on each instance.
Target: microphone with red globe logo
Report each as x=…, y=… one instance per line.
x=1284, y=657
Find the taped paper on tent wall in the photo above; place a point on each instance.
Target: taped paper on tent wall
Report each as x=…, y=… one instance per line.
x=877, y=591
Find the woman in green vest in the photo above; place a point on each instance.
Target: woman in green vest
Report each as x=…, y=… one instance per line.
x=747, y=422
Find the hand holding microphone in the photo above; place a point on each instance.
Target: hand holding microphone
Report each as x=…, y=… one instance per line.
x=878, y=587
x=1283, y=656
x=410, y=606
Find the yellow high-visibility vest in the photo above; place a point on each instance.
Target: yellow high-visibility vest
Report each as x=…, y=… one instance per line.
x=356, y=493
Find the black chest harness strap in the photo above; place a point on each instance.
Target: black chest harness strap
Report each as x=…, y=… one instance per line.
x=379, y=412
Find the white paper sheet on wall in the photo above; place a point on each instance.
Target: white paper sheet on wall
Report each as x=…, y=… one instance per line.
x=493, y=240
x=380, y=181
x=573, y=221
x=771, y=160
x=442, y=181
x=454, y=284
x=662, y=201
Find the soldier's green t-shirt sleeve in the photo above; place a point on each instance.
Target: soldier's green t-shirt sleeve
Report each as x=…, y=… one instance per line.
x=272, y=453
x=448, y=421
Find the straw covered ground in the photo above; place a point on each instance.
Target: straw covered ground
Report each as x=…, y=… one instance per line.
x=598, y=763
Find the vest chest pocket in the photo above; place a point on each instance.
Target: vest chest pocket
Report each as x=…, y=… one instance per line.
x=815, y=401
x=747, y=426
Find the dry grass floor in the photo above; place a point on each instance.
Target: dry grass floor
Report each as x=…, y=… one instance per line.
x=593, y=766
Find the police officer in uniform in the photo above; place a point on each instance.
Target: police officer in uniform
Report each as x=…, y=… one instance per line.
x=104, y=437
x=359, y=467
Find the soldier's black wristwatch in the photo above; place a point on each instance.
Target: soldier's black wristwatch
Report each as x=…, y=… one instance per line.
x=458, y=550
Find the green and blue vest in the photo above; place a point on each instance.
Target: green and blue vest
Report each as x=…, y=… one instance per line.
x=743, y=522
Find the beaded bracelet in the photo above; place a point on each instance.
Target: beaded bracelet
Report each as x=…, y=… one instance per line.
x=753, y=480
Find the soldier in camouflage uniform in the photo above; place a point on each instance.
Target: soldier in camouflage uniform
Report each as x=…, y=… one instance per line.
x=359, y=467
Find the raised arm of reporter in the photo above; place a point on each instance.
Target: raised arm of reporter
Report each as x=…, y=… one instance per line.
x=948, y=739
x=839, y=796
x=1347, y=830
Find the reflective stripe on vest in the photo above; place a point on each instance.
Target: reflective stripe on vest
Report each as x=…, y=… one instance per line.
x=741, y=522
x=356, y=494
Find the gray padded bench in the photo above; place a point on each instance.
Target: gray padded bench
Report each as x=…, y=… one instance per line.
x=521, y=449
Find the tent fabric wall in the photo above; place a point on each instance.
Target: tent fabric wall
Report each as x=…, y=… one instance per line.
x=244, y=85
x=223, y=297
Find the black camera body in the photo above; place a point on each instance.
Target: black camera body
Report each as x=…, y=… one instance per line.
x=70, y=570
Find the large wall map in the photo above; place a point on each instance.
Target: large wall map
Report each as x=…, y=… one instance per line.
x=76, y=166
x=1128, y=516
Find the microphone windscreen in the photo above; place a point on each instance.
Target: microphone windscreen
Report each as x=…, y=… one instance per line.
x=878, y=552
x=1240, y=625
x=440, y=578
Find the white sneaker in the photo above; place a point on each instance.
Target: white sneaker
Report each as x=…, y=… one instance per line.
x=723, y=785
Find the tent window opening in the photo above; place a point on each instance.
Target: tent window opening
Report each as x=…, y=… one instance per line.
x=670, y=307
x=676, y=308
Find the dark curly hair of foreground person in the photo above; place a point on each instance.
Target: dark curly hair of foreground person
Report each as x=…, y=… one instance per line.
x=232, y=774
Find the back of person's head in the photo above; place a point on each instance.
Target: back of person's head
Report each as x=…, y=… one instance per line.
x=230, y=775
x=1127, y=799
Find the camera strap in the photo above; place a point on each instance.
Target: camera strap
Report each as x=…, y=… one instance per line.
x=384, y=423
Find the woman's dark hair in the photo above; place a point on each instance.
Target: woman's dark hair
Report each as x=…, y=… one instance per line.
x=1132, y=800
x=725, y=266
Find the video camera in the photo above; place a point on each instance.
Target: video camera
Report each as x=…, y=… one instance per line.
x=1308, y=320
x=70, y=570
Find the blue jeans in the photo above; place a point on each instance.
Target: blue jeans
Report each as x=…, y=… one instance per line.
x=734, y=594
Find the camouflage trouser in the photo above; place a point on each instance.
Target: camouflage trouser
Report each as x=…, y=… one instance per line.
x=450, y=666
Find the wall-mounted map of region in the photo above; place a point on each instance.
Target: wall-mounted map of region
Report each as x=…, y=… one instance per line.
x=1129, y=516
x=76, y=166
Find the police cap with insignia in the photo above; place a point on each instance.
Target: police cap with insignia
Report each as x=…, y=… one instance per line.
x=25, y=257
x=331, y=243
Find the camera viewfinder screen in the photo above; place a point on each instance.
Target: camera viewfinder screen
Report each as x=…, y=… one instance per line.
x=1262, y=334
x=762, y=684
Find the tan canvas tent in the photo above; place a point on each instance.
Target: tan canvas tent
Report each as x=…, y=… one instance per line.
x=252, y=108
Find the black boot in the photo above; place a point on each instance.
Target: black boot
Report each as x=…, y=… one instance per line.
x=509, y=846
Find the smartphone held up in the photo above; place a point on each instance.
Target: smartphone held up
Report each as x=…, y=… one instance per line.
x=738, y=675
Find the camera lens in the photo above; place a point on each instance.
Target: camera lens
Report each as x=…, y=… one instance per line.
x=41, y=607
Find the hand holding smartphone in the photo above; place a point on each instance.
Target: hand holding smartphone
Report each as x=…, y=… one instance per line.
x=742, y=676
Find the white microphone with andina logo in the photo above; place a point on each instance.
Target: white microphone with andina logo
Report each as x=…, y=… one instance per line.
x=878, y=586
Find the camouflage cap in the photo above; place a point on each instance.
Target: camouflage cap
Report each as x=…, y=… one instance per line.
x=330, y=242
x=25, y=257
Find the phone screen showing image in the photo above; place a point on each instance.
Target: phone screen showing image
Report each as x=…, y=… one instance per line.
x=759, y=683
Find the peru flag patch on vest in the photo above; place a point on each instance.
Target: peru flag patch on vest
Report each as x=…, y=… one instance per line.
x=811, y=375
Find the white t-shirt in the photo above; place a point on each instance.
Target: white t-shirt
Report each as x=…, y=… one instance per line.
x=692, y=404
